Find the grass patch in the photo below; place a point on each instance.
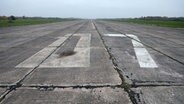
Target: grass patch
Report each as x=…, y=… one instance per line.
x=163, y=23
x=34, y=21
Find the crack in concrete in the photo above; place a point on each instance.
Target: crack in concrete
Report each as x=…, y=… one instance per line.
x=71, y=86
x=2, y=97
x=18, y=84
x=149, y=46
x=127, y=83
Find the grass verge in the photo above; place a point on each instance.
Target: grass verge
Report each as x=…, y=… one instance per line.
x=21, y=22
x=163, y=23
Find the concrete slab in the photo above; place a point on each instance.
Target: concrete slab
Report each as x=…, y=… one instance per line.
x=170, y=48
x=158, y=42
x=2, y=90
x=159, y=95
x=68, y=96
x=168, y=71
x=100, y=72
x=96, y=39
x=13, y=41
x=36, y=59
x=11, y=57
x=4, y=48
x=12, y=75
x=74, y=53
x=176, y=53
x=40, y=42
x=19, y=47
x=167, y=40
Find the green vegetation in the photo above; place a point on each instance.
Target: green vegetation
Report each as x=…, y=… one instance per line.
x=13, y=21
x=158, y=21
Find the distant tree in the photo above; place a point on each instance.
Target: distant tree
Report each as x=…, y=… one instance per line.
x=3, y=17
x=11, y=19
x=23, y=17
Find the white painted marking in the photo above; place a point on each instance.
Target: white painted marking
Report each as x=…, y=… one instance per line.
x=58, y=42
x=144, y=58
x=36, y=59
x=80, y=59
x=93, y=25
x=115, y=35
x=84, y=42
x=67, y=35
x=137, y=43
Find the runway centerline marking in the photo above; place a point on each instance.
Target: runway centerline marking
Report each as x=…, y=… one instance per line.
x=80, y=59
x=144, y=58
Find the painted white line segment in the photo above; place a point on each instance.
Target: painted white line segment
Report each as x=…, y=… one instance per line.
x=68, y=35
x=58, y=42
x=136, y=43
x=144, y=58
x=115, y=35
x=36, y=59
x=93, y=26
x=80, y=59
x=84, y=42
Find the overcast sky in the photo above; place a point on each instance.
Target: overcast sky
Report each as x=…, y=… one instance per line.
x=92, y=8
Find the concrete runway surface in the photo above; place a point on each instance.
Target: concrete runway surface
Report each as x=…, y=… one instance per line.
x=91, y=62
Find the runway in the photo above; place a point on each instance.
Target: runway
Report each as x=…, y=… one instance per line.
x=91, y=62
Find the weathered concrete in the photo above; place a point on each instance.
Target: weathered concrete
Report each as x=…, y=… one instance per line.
x=159, y=95
x=73, y=53
x=166, y=49
x=89, y=81
x=29, y=52
x=164, y=39
x=168, y=71
x=100, y=72
x=68, y=96
x=17, y=46
x=2, y=90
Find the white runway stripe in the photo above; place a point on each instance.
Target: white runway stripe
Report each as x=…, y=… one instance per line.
x=115, y=35
x=144, y=58
x=58, y=42
x=93, y=26
x=80, y=59
x=37, y=58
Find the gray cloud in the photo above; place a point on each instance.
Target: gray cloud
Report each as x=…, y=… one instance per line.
x=92, y=8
